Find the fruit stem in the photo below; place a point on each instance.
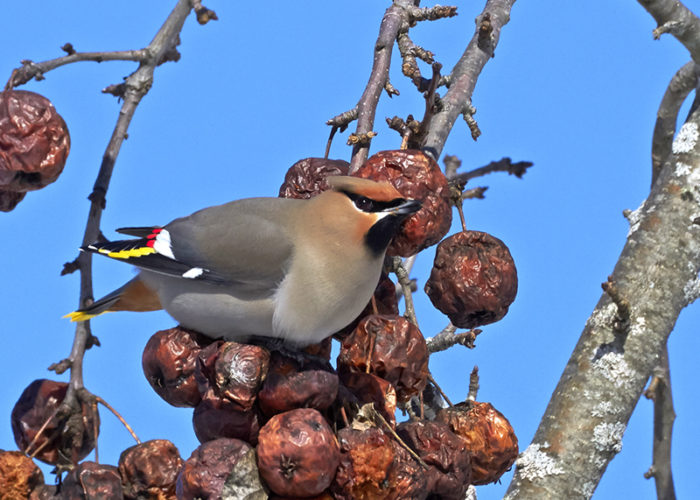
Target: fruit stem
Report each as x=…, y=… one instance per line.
x=444, y=396
x=119, y=417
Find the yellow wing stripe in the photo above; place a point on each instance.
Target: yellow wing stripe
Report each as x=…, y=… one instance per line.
x=82, y=315
x=127, y=254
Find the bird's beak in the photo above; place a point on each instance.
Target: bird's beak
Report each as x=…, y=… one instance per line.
x=408, y=207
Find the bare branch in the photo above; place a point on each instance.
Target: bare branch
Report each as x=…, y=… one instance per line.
x=405, y=282
x=448, y=338
x=394, y=18
x=622, y=318
x=452, y=164
x=675, y=18
x=409, y=52
x=465, y=73
x=659, y=391
x=582, y=428
x=30, y=69
x=136, y=86
x=119, y=417
x=431, y=13
x=473, y=384
x=468, y=113
x=475, y=193
x=342, y=120
x=517, y=169
x=682, y=83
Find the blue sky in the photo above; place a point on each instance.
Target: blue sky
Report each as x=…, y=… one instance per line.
x=574, y=88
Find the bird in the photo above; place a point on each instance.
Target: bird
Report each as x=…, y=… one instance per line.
x=294, y=270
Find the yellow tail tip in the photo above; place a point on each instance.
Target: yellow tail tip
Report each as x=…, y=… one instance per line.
x=80, y=316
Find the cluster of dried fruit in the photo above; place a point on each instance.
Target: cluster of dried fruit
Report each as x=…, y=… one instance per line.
x=293, y=425
x=34, y=145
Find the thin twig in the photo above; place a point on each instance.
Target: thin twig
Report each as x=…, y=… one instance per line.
x=474, y=193
x=444, y=396
x=41, y=430
x=517, y=169
x=464, y=75
x=96, y=430
x=460, y=210
x=136, y=86
x=447, y=338
x=378, y=416
x=334, y=129
x=119, y=417
x=473, y=384
x=622, y=318
x=372, y=339
x=30, y=69
x=675, y=18
x=659, y=391
x=405, y=282
x=394, y=18
x=682, y=83
x=344, y=415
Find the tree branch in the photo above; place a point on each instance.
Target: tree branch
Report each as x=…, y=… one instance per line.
x=394, y=18
x=30, y=69
x=517, y=169
x=448, y=338
x=659, y=391
x=405, y=282
x=682, y=83
x=582, y=428
x=465, y=73
x=136, y=86
x=675, y=18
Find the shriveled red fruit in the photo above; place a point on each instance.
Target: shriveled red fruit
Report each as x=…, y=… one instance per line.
x=9, y=200
x=473, y=280
x=59, y=441
x=19, y=475
x=398, y=350
x=290, y=385
x=416, y=176
x=449, y=463
x=239, y=371
x=34, y=141
x=366, y=459
x=209, y=467
x=488, y=436
x=169, y=360
x=205, y=369
x=149, y=470
x=298, y=453
x=307, y=177
x=216, y=417
x=369, y=388
x=384, y=297
x=406, y=476
x=92, y=480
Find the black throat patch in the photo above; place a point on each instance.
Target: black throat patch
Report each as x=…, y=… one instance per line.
x=379, y=235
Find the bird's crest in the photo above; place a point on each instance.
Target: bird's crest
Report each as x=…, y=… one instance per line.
x=379, y=191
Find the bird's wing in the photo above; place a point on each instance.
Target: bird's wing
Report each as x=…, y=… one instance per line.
x=248, y=241
x=153, y=253
x=244, y=242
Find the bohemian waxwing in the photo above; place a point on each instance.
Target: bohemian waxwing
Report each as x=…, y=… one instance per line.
x=298, y=270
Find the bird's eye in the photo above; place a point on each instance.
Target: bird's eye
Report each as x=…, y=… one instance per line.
x=364, y=204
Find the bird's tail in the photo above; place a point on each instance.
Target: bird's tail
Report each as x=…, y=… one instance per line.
x=96, y=308
x=133, y=296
